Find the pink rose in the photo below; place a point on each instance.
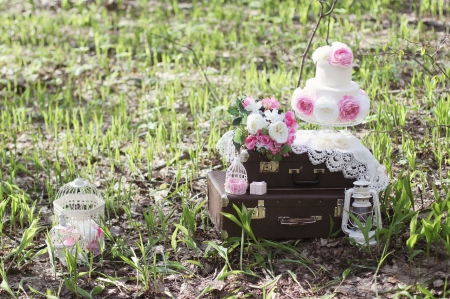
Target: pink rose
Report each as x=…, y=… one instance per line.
x=250, y=141
x=304, y=104
x=340, y=56
x=270, y=103
x=348, y=108
x=291, y=139
x=275, y=148
x=289, y=119
x=247, y=101
x=292, y=130
x=265, y=140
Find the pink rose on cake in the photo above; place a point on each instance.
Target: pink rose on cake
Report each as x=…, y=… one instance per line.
x=303, y=102
x=348, y=108
x=340, y=55
x=326, y=110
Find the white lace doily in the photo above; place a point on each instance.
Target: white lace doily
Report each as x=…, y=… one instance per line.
x=340, y=151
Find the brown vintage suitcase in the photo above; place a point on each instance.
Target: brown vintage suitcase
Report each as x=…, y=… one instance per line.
x=278, y=214
x=295, y=171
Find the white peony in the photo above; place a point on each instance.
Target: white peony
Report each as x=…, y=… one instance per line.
x=321, y=53
x=364, y=106
x=252, y=105
x=326, y=110
x=279, y=132
x=273, y=115
x=255, y=122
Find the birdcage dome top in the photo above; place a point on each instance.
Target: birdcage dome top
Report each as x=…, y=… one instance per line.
x=79, y=199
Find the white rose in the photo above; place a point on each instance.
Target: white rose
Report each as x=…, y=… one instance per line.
x=326, y=110
x=253, y=105
x=279, y=132
x=273, y=115
x=321, y=53
x=255, y=122
x=364, y=105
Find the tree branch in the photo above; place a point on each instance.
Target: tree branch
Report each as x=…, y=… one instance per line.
x=321, y=16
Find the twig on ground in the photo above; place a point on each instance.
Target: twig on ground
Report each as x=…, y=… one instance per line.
x=321, y=16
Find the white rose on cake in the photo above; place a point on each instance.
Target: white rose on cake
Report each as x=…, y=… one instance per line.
x=321, y=53
x=255, y=122
x=326, y=110
x=279, y=132
x=364, y=104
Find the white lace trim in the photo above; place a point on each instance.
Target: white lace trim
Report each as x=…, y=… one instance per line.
x=226, y=147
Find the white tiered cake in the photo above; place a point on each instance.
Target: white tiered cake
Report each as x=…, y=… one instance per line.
x=331, y=98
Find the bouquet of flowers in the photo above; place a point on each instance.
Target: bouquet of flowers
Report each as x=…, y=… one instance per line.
x=262, y=127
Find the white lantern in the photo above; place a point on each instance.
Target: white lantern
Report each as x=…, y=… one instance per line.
x=364, y=203
x=236, y=178
x=81, y=202
x=63, y=236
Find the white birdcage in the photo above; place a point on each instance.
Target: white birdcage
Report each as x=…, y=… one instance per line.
x=236, y=178
x=84, y=207
x=63, y=236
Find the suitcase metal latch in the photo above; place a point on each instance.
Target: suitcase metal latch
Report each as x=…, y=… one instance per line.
x=272, y=166
x=339, y=208
x=259, y=212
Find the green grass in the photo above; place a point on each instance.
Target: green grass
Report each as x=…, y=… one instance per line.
x=115, y=92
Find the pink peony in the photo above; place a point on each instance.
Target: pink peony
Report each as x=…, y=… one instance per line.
x=304, y=104
x=292, y=130
x=250, y=141
x=289, y=119
x=341, y=56
x=348, y=108
x=264, y=140
x=270, y=103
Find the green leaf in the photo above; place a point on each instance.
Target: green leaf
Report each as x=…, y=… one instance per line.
x=233, y=111
x=278, y=157
x=83, y=293
x=237, y=121
x=97, y=290
x=244, y=120
x=237, y=136
x=285, y=149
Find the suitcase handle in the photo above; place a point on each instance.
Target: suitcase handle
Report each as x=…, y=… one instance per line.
x=307, y=183
x=298, y=221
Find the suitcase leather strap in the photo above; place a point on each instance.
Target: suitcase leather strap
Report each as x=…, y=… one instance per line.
x=298, y=221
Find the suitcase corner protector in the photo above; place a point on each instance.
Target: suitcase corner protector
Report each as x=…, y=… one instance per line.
x=224, y=200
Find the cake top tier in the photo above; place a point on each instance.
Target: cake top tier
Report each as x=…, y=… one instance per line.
x=333, y=65
x=338, y=54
